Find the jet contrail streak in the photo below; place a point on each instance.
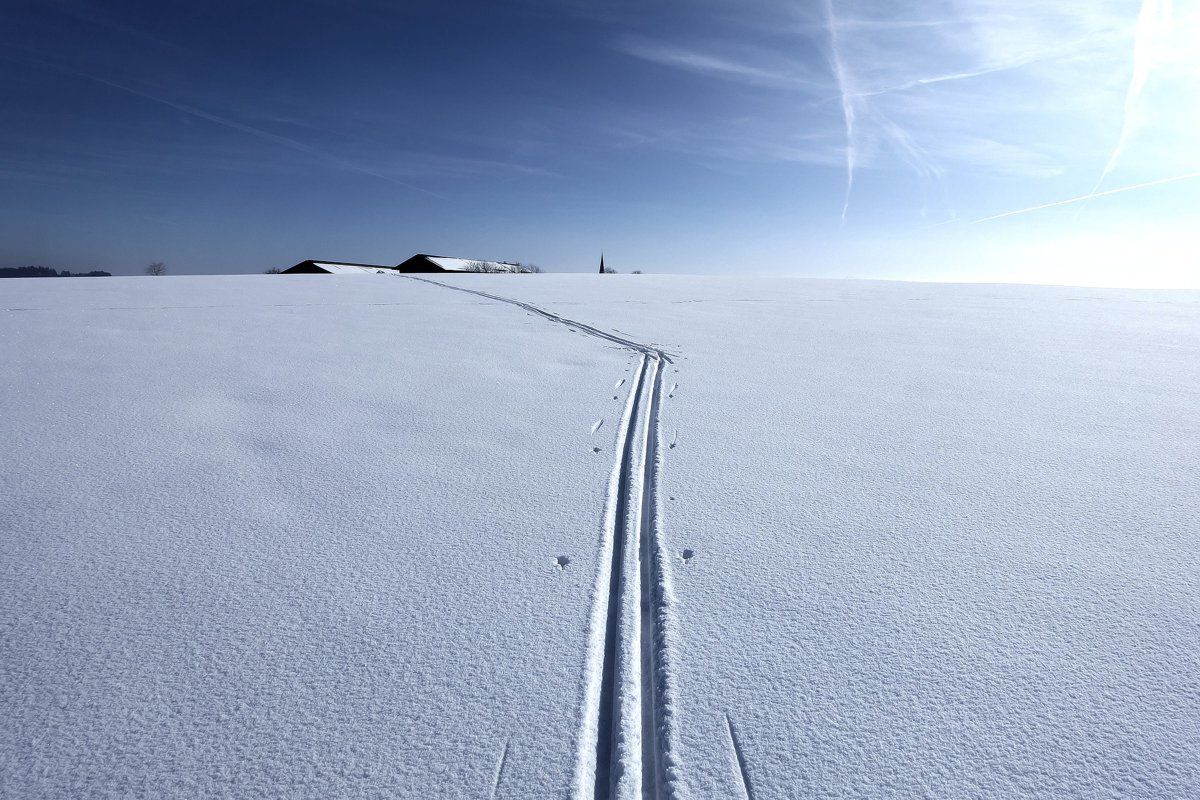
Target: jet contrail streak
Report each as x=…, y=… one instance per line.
x=293, y=144
x=848, y=110
x=1089, y=196
x=1154, y=16
x=957, y=76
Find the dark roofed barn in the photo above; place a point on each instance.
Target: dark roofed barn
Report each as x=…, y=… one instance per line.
x=423, y=262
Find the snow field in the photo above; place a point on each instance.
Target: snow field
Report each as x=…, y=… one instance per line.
x=624, y=535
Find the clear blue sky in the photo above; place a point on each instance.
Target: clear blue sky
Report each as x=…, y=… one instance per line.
x=826, y=138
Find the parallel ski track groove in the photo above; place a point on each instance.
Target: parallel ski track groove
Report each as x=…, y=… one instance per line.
x=594, y=771
x=655, y=714
x=608, y=729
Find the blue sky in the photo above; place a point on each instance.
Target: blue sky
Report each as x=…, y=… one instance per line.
x=826, y=138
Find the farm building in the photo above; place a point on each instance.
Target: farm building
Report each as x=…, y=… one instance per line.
x=427, y=263
x=418, y=263
x=311, y=267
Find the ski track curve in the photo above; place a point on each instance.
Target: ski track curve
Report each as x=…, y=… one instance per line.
x=580, y=327
x=627, y=736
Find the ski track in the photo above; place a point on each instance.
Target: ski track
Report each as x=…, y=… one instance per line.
x=645, y=349
x=499, y=776
x=625, y=748
x=657, y=602
x=736, y=744
x=633, y=756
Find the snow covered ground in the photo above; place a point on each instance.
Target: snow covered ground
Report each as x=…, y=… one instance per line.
x=298, y=536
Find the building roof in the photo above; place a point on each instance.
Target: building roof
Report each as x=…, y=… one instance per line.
x=349, y=269
x=343, y=267
x=451, y=264
x=421, y=262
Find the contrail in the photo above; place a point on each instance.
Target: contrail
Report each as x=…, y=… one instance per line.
x=1064, y=49
x=293, y=144
x=848, y=110
x=1154, y=16
x=910, y=151
x=1090, y=195
x=957, y=76
x=916, y=157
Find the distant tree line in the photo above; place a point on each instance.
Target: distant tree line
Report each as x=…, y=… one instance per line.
x=46, y=272
x=502, y=266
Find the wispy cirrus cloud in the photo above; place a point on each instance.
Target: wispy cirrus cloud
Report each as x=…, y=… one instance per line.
x=960, y=90
x=1035, y=81
x=900, y=85
x=711, y=64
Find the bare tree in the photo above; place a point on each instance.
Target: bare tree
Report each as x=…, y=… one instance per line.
x=636, y=272
x=157, y=268
x=514, y=267
x=500, y=266
x=272, y=271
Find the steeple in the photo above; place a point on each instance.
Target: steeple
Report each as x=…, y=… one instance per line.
x=601, y=262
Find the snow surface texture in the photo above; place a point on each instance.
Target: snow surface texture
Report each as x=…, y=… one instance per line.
x=287, y=536
x=294, y=537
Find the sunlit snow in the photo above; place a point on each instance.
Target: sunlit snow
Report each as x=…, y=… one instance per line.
x=289, y=536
